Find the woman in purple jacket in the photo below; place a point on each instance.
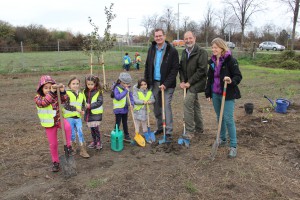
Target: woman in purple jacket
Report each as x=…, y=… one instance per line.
x=223, y=67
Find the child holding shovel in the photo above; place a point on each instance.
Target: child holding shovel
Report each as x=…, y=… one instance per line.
x=47, y=106
x=72, y=112
x=120, y=104
x=93, y=115
x=142, y=96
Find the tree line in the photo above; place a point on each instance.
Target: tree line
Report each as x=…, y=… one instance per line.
x=230, y=23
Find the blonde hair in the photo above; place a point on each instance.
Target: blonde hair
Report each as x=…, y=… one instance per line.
x=221, y=44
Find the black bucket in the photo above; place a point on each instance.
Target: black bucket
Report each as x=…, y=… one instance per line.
x=249, y=108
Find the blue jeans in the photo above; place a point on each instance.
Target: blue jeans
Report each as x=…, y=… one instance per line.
x=228, y=119
x=76, y=125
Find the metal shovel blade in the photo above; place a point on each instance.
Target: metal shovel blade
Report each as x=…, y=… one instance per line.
x=152, y=137
x=68, y=165
x=147, y=137
x=214, y=149
x=180, y=141
x=186, y=143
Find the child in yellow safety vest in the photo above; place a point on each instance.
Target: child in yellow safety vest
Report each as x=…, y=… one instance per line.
x=48, y=112
x=120, y=102
x=142, y=96
x=93, y=99
x=72, y=112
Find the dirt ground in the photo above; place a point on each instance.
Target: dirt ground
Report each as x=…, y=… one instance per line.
x=267, y=165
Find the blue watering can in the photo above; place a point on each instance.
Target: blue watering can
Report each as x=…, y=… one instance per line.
x=281, y=104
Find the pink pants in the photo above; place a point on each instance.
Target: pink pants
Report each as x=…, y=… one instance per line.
x=52, y=139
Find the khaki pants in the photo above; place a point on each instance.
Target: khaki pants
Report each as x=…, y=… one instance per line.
x=137, y=125
x=192, y=113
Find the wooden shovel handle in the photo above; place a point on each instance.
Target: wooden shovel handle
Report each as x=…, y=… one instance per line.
x=222, y=110
x=131, y=109
x=61, y=117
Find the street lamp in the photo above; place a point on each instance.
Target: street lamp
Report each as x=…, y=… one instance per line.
x=178, y=21
x=128, y=29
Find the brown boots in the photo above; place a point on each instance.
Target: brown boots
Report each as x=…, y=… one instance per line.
x=83, y=151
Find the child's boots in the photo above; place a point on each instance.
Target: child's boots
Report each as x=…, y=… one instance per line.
x=83, y=151
x=74, y=147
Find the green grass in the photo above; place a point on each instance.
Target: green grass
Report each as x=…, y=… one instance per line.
x=57, y=61
x=95, y=183
x=190, y=187
x=270, y=81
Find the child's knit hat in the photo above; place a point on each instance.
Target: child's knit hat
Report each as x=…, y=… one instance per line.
x=125, y=77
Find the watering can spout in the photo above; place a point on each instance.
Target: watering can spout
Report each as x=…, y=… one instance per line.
x=269, y=100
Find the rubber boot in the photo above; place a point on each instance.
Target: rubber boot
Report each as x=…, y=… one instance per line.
x=74, y=147
x=83, y=151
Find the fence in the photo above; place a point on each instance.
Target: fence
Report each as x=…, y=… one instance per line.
x=57, y=57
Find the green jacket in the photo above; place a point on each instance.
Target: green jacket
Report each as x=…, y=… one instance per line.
x=194, y=69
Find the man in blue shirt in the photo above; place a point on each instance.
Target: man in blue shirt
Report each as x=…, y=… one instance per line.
x=161, y=69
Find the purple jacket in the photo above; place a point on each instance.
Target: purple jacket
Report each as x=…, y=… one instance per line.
x=118, y=96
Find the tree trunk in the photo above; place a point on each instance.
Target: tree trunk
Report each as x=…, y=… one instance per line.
x=295, y=23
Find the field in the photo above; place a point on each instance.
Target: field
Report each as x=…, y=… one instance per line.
x=267, y=165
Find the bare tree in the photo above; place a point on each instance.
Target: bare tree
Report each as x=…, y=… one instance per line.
x=146, y=23
x=154, y=21
x=243, y=10
x=168, y=20
x=208, y=20
x=225, y=20
x=293, y=6
x=186, y=21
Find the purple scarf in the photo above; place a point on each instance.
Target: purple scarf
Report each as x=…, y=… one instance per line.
x=217, y=84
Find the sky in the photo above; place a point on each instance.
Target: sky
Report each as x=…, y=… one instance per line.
x=72, y=15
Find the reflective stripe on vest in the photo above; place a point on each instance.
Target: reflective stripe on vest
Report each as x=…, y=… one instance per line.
x=73, y=102
x=98, y=110
x=143, y=98
x=119, y=103
x=46, y=116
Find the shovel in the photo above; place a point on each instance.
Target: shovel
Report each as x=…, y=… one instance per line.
x=183, y=140
x=149, y=136
x=67, y=161
x=163, y=117
x=138, y=137
x=215, y=146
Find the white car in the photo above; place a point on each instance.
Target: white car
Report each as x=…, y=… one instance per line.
x=268, y=45
x=230, y=45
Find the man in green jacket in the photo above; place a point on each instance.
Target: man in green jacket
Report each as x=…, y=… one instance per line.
x=193, y=75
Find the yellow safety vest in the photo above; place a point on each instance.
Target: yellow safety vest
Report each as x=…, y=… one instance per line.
x=119, y=103
x=142, y=97
x=98, y=110
x=73, y=102
x=138, y=59
x=46, y=115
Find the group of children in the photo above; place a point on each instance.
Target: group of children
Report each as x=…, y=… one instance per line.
x=89, y=103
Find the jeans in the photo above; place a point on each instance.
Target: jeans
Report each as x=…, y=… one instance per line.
x=76, y=125
x=228, y=119
x=192, y=113
x=158, y=108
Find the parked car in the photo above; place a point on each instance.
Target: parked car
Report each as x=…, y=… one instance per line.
x=230, y=45
x=178, y=43
x=269, y=45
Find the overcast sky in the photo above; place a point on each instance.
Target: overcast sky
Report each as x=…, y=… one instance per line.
x=72, y=15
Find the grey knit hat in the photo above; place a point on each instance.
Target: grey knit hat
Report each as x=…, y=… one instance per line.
x=125, y=77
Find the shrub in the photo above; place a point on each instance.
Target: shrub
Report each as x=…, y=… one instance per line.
x=290, y=64
x=287, y=55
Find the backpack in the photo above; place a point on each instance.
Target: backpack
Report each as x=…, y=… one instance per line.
x=126, y=61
